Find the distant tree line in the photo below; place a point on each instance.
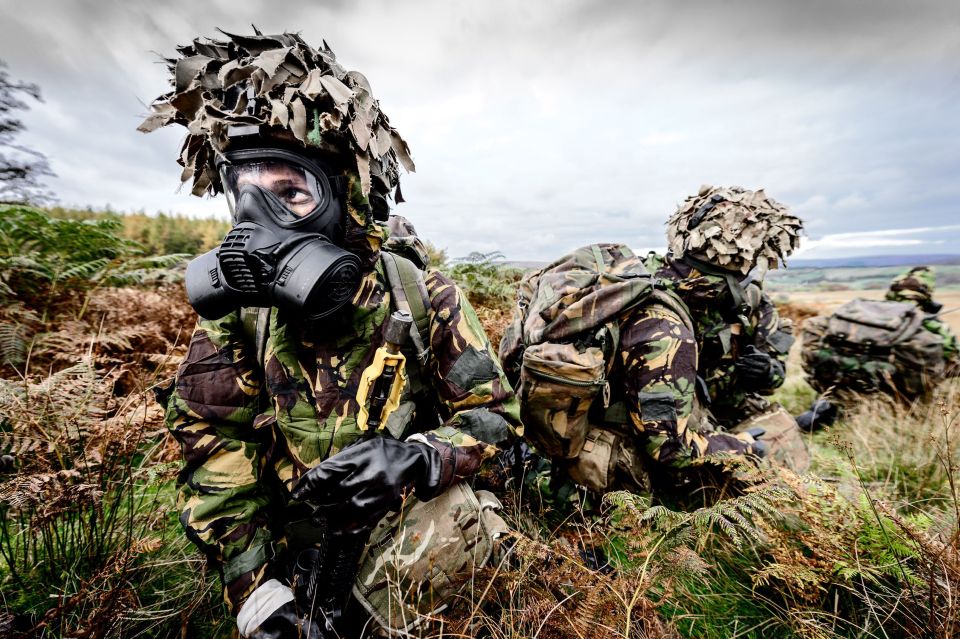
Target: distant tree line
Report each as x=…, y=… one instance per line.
x=160, y=234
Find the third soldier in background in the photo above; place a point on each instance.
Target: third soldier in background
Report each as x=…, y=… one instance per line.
x=916, y=286
x=897, y=347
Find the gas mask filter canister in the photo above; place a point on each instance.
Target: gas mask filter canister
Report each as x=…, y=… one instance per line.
x=282, y=250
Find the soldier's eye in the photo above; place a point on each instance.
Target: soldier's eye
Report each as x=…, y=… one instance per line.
x=295, y=196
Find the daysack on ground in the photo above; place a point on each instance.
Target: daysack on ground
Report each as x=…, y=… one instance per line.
x=560, y=345
x=869, y=346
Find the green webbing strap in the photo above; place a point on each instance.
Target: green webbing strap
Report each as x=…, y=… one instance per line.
x=256, y=324
x=598, y=257
x=410, y=295
x=616, y=413
x=261, y=551
x=735, y=285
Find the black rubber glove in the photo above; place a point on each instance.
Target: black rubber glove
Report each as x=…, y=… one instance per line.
x=285, y=623
x=757, y=369
x=759, y=447
x=359, y=485
x=822, y=413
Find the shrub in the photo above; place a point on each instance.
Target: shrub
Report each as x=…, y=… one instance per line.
x=50, y=267
x=486, y=282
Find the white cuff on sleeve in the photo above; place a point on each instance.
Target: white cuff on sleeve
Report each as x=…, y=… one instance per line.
x=420, y=438
x=262, y=603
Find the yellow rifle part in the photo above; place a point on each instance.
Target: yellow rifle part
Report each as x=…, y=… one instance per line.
x=382, y=382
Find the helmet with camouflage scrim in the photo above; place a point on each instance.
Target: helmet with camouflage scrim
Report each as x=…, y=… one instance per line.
x=915, y=285
x=733, y=229
x=280, y=88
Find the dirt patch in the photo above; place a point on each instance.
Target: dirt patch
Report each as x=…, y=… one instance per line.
x=796, y=312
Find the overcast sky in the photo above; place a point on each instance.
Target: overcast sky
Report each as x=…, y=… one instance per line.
x=539, y=126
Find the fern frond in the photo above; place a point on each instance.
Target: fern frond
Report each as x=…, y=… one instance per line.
x=662, y=518
x=20, y=445
x=85, y=270
x=14, y=341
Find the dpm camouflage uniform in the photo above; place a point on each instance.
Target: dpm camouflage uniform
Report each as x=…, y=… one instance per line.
x=654, y=376
x=644, y=425
x=249, y=432
x=917, y=285
x=725, y=328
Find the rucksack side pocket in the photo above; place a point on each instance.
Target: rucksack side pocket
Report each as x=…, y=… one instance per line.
x=558, y=382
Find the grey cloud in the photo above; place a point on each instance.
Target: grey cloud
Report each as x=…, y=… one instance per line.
x=538, y=126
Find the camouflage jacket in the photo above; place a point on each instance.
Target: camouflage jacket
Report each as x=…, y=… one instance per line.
x=723, y=332
x=655, y=375
x=951, y=348
x=248, y=432
x=652, y=373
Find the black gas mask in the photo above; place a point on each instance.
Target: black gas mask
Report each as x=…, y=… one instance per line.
x=282, y=251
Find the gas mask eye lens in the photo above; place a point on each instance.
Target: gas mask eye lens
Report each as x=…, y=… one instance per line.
x=296, y=189
x=299, y=188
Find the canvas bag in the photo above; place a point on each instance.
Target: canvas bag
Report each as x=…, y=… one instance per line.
x=418, y=559
x=565, y=334
x=871, y=345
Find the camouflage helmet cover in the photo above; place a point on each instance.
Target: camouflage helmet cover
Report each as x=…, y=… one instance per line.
x=916, y=285
x=286, y=88
x=734, y=229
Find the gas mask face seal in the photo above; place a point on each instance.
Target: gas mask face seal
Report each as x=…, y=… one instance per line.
x=283, y=250
x=298, y=189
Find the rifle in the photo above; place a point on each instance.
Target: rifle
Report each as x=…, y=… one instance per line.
x=323, y=576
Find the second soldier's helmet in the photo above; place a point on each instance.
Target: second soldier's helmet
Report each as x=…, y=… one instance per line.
x=915, y=285
x=733, y=229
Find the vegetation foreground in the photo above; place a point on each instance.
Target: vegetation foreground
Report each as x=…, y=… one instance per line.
x=866, y=545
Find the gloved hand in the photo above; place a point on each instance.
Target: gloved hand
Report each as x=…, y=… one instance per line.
x=271, y=613
x=757, y=369
x=822, y=413
x=759, y=447
x=362, y=483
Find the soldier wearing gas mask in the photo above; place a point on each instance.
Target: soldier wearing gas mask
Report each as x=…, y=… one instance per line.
x=334, y=397
x=722, y=241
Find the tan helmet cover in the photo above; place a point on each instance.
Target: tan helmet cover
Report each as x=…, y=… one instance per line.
x=282, y=87
x=733, y=229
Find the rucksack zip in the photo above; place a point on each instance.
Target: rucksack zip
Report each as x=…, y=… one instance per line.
x=565, y=380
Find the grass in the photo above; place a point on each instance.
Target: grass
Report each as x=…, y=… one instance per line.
x=90, y=546
x=866, y=548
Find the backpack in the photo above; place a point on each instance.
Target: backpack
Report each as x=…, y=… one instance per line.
x=869, y=346
x=562, y=341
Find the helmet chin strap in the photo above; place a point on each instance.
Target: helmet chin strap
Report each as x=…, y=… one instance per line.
x=736, y=285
